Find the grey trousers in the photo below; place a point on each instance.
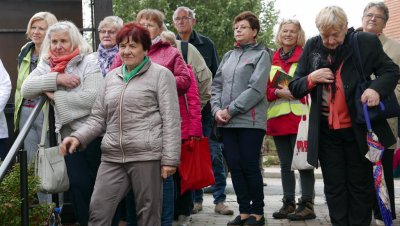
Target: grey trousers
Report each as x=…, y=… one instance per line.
x=31, y=142
x=113, y=182
x=284, y=146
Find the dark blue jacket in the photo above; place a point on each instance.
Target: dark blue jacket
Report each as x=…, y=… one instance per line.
x=207, y=49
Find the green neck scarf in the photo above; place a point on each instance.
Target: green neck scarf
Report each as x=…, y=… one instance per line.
x=128, y=75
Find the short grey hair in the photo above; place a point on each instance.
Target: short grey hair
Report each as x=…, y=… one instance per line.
x=114, y=21
x=380, y=5
x=331, y=17
x=77, y=40
x=190, y=12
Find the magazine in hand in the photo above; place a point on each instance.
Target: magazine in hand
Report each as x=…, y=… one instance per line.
x=281, y=80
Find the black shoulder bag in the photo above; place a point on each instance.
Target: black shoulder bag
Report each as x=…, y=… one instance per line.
x=387, y=108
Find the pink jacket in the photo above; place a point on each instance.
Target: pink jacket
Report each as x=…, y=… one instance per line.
x=164, y=54
x=190, y=109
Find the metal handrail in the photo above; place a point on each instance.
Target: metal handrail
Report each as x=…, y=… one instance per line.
x=21, y=137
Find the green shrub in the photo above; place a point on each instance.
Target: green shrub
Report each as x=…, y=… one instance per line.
x=10, y=200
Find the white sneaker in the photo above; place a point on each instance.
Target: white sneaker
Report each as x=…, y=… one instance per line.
x=379, y=222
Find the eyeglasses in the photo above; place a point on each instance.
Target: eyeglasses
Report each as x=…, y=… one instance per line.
x=371, y=15
x=240, y=28
x=182, y=18
x=148, y=26
x=103, y=32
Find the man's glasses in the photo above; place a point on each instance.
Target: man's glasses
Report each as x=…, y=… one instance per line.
x=182, y=18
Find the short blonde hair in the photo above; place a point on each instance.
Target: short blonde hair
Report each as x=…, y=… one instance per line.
x=331, y=17
x=77, y=40
x=113, y=21
x=168, y=36
x=152, y=14
x=49, y=18
x=301, y=37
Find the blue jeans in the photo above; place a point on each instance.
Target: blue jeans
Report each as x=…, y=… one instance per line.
x=218, y=189
x=167, y=213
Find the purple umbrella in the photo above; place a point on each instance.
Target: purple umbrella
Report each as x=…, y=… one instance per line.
x=374, y=155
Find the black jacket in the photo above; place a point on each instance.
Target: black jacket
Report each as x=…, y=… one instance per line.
x=375, y=61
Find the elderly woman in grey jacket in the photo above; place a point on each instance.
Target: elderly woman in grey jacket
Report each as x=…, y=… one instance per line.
x=137, y=110
x=69, y=75
x=239, y=105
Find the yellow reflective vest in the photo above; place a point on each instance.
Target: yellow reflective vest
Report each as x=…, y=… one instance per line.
x=282, y=106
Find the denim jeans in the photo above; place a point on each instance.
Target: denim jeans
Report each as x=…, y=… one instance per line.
x=167, y=213
x=218, y=189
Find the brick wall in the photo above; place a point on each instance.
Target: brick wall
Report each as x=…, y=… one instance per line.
x=392, y=29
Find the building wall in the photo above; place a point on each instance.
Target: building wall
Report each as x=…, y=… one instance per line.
x=392, y=29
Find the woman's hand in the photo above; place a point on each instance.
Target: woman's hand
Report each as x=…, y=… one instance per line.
x=371, y=97
x=323, y=75
x=69, y=81
x=69, y=145
x=49, y=95
x=222, y=116
x=284, y=93
x=167, y=171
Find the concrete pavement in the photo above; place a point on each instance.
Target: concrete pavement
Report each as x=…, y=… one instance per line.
x=273, y=196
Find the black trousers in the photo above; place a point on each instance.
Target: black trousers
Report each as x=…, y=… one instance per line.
x=82, y=169
x=242, y=153
x=348, y=180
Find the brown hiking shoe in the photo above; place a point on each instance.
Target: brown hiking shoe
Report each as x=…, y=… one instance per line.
x=223, y=209
x=288, y=207
x=304, y=211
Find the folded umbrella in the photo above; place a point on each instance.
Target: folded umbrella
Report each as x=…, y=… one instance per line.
x=374, y=154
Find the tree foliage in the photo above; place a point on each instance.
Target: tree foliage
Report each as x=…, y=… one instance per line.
x=214, y=18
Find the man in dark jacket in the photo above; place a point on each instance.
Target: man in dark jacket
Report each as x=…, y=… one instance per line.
x=184, y=20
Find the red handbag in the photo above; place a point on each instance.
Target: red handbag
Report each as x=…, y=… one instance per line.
x=195, y=169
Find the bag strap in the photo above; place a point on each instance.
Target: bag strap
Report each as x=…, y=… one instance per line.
x=184, y=49
x=45, y=123
x=357, y=58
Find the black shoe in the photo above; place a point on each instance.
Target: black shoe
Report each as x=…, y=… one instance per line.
x=252, y=221
x=237, y=221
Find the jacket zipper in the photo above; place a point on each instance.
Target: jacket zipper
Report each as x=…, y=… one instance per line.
x=253, y=115
x=120, y=123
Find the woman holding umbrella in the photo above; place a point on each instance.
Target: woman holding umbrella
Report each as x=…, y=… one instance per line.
x=326, y=71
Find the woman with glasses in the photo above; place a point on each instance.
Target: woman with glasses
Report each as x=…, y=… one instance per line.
x=108, y=47
x=376, y=15
x=238, y=104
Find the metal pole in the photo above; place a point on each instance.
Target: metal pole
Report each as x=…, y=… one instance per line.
x=20, y=138
x=23, y=174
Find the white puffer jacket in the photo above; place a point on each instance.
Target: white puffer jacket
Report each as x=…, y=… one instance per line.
x=5, y=91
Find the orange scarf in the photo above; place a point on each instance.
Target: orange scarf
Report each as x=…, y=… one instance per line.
x=58, y=63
